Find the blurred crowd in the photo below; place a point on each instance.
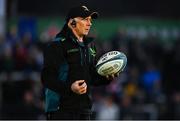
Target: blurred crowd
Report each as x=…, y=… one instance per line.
x=147, y=89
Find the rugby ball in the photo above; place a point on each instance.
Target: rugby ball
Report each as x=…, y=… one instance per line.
x=111, y=63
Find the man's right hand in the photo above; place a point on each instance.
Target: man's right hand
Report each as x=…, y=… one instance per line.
x=79, y=87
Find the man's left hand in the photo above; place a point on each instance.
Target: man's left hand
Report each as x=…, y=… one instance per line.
x=112, y=76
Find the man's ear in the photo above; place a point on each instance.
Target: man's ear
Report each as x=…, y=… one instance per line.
x=72, y=23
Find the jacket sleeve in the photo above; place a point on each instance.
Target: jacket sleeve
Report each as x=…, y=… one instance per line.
x=53, y=59
x=96, y=79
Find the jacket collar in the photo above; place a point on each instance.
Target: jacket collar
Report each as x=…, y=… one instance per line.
x=70, y=35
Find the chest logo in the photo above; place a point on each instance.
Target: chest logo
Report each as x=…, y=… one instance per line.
x=92, y=52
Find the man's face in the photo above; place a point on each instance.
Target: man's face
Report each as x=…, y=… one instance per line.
x=83, y=25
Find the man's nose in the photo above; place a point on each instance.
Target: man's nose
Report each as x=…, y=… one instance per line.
x=89, y=23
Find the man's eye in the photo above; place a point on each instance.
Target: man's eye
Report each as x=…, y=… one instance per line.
x=89, y=20
x=85, y=19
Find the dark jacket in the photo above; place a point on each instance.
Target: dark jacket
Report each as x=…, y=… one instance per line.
x=65, y=61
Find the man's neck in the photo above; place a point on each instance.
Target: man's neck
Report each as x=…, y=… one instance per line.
x=79, y=37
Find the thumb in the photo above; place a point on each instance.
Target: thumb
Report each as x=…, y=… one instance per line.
x=107, y=76
x=80, y=81
x=112, y=75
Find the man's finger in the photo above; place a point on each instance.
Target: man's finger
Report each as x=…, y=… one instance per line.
x=107, y=76
x=83, y=90
x=117, y=74
x=112, y=75
x=83, y=85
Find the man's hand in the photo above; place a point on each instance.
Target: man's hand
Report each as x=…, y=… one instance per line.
x=79, y=87
x=111, y=77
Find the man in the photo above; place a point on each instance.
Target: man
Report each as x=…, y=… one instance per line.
x=69, y=68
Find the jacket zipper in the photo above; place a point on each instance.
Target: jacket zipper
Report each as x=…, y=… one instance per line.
x=81, y=56
x=85, y=56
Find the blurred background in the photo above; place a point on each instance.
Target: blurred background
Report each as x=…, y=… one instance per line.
x=148, y=32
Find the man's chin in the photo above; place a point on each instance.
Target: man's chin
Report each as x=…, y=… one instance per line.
x=85, y=34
